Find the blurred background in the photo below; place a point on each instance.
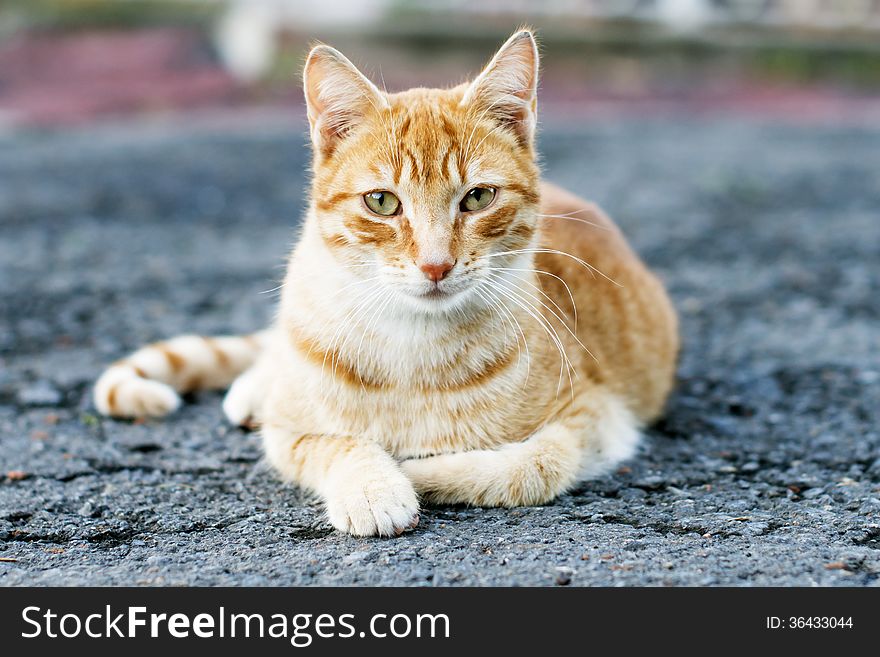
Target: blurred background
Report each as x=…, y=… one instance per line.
x=153, y=170
x=69, y=62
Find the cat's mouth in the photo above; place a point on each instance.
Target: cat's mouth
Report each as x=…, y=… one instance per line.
x=437, y=296
x=436, y=293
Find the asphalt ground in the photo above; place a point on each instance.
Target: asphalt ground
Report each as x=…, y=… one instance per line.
x=764, y=472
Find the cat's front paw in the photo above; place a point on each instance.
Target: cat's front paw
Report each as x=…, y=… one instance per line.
x=242, y=401
x=374, y=506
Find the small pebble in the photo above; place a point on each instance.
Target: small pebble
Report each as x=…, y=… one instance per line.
x=563, y=575
x=354, y=557
x=41, y=393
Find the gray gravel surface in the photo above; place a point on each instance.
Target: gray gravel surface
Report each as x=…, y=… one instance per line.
x=765, y=470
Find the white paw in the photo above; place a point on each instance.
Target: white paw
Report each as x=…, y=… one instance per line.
x=240, y=403
x=419, y=470
x=374, y=506
x=152, y=398
x=135, y=397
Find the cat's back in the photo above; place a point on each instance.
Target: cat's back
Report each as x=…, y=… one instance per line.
x=624, y=316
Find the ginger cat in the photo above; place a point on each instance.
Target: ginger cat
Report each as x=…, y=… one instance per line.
x=450, y=327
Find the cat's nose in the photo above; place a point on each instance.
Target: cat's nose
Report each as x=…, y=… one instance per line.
x=437, y=271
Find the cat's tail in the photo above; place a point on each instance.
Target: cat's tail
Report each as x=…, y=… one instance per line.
x=149, y=381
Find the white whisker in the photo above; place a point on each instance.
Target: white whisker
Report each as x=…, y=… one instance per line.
x=547, y=273
x=581, y=261
x=510, y=320
x=560, y=319
x=539, y=290
x=565, y=363
x=578, y=219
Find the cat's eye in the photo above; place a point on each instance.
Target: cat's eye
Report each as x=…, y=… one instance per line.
x=385, y=204
x=476, y=199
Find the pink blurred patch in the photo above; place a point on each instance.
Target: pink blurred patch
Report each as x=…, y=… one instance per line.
x=64, y=79
x=67, y=79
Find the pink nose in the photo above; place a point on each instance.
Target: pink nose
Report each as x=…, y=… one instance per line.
x=436, y=271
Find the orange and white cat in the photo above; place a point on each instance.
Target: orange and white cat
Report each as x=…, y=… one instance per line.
x=450, y=327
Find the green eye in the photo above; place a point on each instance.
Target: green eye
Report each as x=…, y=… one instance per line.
x=385, y=204
x=476, y=199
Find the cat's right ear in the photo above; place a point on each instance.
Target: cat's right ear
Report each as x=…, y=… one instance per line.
x=338, y=97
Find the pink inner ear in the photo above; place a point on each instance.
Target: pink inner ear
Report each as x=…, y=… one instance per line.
x=337, y=97
x=507, y=88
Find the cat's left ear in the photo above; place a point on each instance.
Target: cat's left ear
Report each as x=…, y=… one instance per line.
x=338, y=97
x=507, y=89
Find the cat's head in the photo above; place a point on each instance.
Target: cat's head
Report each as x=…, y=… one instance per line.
x=424, y=193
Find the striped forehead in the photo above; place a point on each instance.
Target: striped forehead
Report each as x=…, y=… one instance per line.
x=426, y=149
x=406, y=173
x=426, y=146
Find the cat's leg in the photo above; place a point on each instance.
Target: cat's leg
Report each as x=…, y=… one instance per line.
x=148, y=381
x=587, y=439
x=364, y=490
x=243, y=402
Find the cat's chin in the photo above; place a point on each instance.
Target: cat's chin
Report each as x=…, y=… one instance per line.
x=436, y=301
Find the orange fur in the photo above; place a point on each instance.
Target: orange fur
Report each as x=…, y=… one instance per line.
x=527, y=367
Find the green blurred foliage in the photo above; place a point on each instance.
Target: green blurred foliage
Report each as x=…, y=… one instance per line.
x=846, y=66
x=593, y=49
x=83, y=14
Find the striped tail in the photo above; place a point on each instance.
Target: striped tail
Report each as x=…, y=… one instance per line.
x=149, y=381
